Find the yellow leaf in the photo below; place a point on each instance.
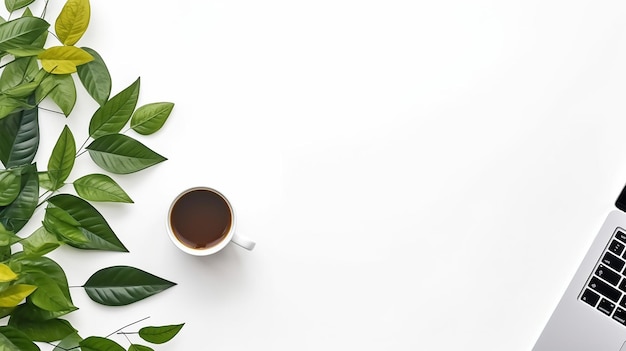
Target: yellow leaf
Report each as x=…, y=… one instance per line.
x=6, y=274
x=73, y=21
x=63, y=59
x=14, y=294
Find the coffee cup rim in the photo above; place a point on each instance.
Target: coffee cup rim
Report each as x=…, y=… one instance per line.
x=204, y=251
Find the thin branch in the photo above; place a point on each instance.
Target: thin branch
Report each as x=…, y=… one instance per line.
x=50, y=110
x=126, y=326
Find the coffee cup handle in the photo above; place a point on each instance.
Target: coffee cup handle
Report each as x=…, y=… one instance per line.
x=243, y=242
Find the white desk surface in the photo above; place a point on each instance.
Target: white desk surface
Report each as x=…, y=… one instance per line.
x=418, y=175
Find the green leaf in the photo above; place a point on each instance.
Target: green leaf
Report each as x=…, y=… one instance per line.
x=27, y=51
x=70, y=342
x=21, y=91
x=95, y=77
x=92, y=224
x=12, y=339
x=53, y=293
x=160, y=335
x=62, y=158
x=14, y=216
x=100, y=187
x=118, y=153
x=28, y=311
x=137, y=347
x=44, y=180
x=14, y=294
x=18, y=71
x=40, y=242
x=21, y=32
x=111, y=117
x=96, y=343
x=7, y=237
x=149, y=118
x=123, y=285
x=61, y=89
x=13, y=5
x=64, y=229
x=45, y=331
x=72, y=21
x=10, y=185
x=19, y=138
x=63, y=59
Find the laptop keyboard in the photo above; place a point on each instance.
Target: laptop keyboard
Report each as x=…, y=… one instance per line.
x=606, y=288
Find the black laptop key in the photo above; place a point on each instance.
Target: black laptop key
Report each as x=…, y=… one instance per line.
x=621, y=236
x=608, y=275
x=616, y=247
x=606, y=306
x=605, y=289
x=613, y=261
x=590, y=297
x=620, y=315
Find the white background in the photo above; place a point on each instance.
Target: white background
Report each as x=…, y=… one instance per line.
x=418, y=175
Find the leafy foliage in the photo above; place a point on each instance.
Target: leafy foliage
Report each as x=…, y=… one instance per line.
x=34, y=291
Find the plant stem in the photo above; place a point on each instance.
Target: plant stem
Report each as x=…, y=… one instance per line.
x=78, y=153
x=126, y=326
x=49, y=110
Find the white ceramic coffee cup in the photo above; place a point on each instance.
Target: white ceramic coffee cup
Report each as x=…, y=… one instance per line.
x=229, y=237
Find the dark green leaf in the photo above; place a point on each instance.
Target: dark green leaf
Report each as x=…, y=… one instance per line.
x=61, y=89
x=149, y=118
x=92, y=224
x=21, y=32
x=96, y=343
x=160, y=335
x=114, y=114
x=18, y=213
x=95, y=77
x=69, y=343
x=62, y=158
x=48, y=331
x=28, y=311
x=100, y=187
x=118, y=153
x=137, y=347
x=19, y=138
x=123, y=285
x=15, y=340
x=13, y=5
x=5, y=311
x=10, y=185
x=5, y=252
x=40, y=242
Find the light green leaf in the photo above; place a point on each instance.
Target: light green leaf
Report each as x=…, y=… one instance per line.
x=100, y=187
x=14, y=294
x=19, y=138
x=6, y=274
x=62, y=159
x=14, y=216
x=13, y=5
x=160, y=335
x=40, y=242
x=10, y=185
x=63, y=59
x=22, y=90
x=31, y=269
x=123, y=285
x=44, y=180
x=30, y=312
x=61, y=89
x=64, y=231
x=70, y=342
x=96, y=343
x=95, y=77
x=44, y=331
x=20, y=32
x=92, y=224
x=111, y=117
x=149, y=118
x=27, y=51
x=118, y=153
x=72, y=21
x=14, y=340
x=18, y=71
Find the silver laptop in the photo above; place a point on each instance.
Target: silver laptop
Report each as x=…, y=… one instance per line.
x=591, y=315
